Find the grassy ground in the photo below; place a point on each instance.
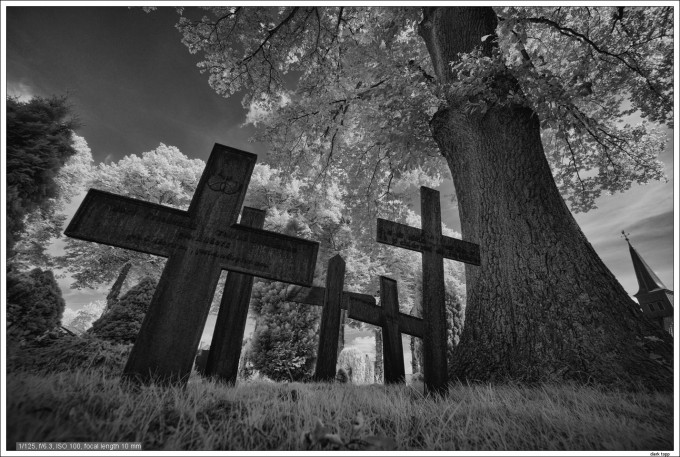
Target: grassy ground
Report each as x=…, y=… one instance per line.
x=87, y=406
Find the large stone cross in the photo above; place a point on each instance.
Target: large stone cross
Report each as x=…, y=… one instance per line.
x=360, y=307
x=435, y=247
x=198, y=243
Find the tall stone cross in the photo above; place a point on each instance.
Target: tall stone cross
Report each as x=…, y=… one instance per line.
x=435, y=247
x=198, y=243
x=362, y=308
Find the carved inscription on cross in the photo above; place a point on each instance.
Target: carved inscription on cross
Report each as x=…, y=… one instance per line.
x=198, y=243
x=362, y=308
x=435, y=247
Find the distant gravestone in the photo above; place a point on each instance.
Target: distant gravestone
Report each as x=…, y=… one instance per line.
x=360, y=307
x=198, y=243
x=435, y=247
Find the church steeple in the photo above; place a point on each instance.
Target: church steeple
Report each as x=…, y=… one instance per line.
x=655, y=299
x=647, y=279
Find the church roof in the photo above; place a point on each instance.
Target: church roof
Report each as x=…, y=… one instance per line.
x=647, y=279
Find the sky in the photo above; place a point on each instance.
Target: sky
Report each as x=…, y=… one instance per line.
x=134, y=85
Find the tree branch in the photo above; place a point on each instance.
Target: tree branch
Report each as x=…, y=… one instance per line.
x=568, y=31
x=270, y=34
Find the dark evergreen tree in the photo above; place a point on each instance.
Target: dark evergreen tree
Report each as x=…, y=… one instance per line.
x=122, y=323
x=34, y=303
x=38, y=144
x=285, y=341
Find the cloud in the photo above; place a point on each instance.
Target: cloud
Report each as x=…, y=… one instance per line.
x=655, y=227
x=363, y=344
x=21, y=90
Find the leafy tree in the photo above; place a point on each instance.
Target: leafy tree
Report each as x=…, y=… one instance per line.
x=45, y=223
x=284, y=343
x=123, y=321
x=34, y=303
x=513, y=101
x=39, y=141
x=164, y=176
x=82, y=320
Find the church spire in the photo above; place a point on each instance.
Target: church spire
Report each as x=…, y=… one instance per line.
x=647, y=279
x=655, y=300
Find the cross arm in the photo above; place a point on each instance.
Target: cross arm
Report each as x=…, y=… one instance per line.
x=265, y=254
x=127, y=223
x=411, y=325
x=305, y=295
x=360, y=306
x=364, y=308
x=400, y=235
x=407, y=237
x=460, y=250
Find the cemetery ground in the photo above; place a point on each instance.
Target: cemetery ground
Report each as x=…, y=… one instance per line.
x=71, y=391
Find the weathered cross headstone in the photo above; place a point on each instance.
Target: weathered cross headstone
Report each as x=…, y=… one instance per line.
x=327, y=355
x=435, y=247
x=225, y=348
x=198, y=243
x=360, y=307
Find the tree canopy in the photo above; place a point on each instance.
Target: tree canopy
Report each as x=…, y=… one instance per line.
x=39, y=141
x=163, y=175
x=366, y=87
x=44, y=224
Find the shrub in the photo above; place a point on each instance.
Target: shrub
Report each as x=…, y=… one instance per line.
x=285, y=340
x=34, y=304
x=122, y=323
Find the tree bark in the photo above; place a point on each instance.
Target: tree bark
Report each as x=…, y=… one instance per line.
x=542, y=307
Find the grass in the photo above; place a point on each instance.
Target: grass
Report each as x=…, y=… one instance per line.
x=86, y=405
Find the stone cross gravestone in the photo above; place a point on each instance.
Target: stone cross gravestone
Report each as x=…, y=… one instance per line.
x=360, y=307
x=198, y=243
x=435, y=247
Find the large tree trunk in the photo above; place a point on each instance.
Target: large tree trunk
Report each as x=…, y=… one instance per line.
x=542, y=306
